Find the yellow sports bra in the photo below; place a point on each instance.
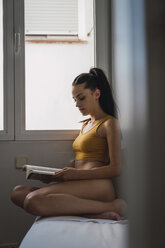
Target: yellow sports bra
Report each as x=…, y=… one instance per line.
x=91, y=146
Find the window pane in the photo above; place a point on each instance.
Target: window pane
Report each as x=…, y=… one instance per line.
x=50, y=67
x=1, y=69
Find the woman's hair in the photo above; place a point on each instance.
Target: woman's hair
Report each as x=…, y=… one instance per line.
x=96, y=79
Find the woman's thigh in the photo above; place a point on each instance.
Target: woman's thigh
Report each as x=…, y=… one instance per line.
x=96, y=189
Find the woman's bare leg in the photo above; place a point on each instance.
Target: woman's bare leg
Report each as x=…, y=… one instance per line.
x=19, y=194
x=120, y=213
x=27, y=197
x=65, y=204
x=101, y=190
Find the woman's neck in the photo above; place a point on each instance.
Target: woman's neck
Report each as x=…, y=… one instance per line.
x=98, y=115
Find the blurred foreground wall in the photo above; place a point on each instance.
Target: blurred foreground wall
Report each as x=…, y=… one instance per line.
x=139, y=73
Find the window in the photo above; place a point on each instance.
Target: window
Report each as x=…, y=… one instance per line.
x=50, y=68
x=37, y=75
x=6, y=71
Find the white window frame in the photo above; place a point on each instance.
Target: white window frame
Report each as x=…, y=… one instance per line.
x=8, y=72
x=15, y=80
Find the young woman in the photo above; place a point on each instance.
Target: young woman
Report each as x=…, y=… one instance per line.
x=84, y=187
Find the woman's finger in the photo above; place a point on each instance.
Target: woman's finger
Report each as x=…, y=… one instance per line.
x=58, y=174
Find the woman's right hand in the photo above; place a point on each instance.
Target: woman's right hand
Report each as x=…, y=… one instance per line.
x=45, y=178
x=48, y=178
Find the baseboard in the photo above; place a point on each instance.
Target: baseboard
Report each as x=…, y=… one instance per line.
x=10, y=245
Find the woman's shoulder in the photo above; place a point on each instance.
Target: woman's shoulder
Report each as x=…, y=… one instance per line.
x=111, y=120
x=111, y=124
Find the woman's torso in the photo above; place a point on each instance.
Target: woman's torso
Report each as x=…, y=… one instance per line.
x=88, y=164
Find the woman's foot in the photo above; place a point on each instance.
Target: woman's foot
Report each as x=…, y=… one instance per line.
x=106, y=215
x=117, y=210
x=120, y=207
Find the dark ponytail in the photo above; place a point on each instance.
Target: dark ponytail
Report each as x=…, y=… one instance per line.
x=96, y=79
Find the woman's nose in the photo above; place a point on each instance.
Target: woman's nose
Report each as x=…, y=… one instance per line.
x=77, y=104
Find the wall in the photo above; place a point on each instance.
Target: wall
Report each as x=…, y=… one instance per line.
x=14, y=221
x=139, y=53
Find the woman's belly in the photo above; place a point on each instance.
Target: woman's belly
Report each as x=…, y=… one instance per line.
x=86, y=165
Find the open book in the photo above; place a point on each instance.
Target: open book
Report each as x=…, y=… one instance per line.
x=34, y=171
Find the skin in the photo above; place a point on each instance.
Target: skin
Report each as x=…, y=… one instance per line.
x=82, y=188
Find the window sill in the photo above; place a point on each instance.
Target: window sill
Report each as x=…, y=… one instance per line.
x=46, y=135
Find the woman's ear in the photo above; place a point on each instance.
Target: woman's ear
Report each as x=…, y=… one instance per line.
x=97, y=94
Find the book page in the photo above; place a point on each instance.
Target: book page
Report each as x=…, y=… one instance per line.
x=42, y=168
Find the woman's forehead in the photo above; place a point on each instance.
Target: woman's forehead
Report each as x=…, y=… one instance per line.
x=79, y=88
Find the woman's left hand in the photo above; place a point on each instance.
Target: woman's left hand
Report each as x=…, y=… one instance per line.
x=67, y=173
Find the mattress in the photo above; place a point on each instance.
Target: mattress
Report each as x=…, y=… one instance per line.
x=76, y=232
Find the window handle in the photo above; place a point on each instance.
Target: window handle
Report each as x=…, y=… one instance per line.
x=17, y=42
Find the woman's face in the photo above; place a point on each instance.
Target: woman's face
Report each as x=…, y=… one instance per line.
x=86, y=99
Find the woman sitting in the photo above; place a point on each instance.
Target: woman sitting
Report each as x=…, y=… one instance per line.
x=84, y=187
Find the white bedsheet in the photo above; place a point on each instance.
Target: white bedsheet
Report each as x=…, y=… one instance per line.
x=76, y=232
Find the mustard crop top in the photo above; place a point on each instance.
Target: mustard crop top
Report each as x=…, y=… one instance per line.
x=91, y=146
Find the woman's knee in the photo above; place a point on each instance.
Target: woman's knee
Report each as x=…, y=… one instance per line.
x=16, y=192
x=19, y=193
x=32, y=204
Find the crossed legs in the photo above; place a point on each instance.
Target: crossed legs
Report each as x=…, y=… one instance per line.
x=80, y=197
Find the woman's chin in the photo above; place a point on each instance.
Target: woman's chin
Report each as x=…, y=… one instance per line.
x=84, y=114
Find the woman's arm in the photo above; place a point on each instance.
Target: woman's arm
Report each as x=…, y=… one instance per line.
x=107, y=171
x=113, y=135
x=68, y=173
x=49, y=179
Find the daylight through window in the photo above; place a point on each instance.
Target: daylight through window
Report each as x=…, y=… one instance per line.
x=54, y=55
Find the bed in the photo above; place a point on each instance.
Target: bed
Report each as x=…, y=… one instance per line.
x=76, y=232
